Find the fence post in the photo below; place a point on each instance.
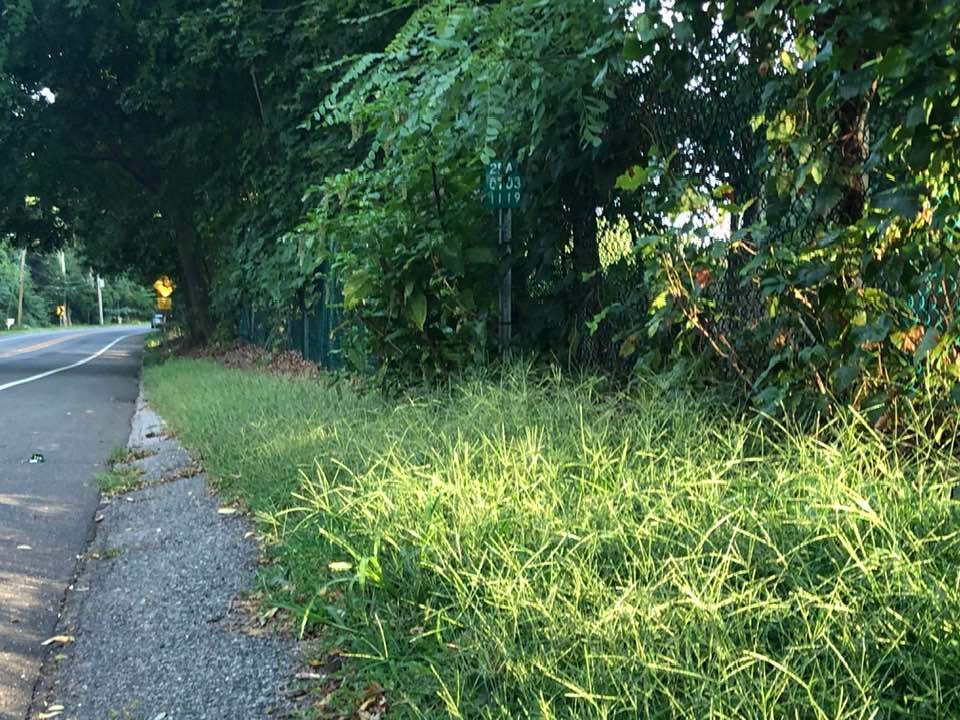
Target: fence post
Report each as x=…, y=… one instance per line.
x=306, y=330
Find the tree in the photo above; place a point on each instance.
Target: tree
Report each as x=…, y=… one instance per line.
x=173, y=131
x=460, y=84
x=102, y=152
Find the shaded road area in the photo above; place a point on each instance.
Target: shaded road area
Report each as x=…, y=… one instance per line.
x=69, y=396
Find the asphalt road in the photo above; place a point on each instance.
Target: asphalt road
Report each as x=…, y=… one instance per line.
x=60, y=398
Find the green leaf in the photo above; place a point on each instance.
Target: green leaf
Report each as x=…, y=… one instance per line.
x=844, y=376
x=355, y=290
x=930, y=339
x=767, y=8
x=789, y=64
x=683, y=32
x=915, y=116
x=895, y=62
x=827, y=198
x=633, y=49
x=629, y=346
x=659, y=301
x=874, y=332
x=921, y=147
x=417, y=309
x=783, y=127
x=816, y=172
x=634, y=177
x=806, y=47
x=802, y=13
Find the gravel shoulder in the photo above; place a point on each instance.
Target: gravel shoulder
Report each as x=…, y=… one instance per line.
x=152, y=629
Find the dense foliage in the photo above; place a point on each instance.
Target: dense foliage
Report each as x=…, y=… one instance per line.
x=766, y=187
x=848, y=247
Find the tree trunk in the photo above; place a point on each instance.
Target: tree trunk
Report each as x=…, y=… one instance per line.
x=581, y=207
x=851, y=144
x=578, y=195
x=852, y=151
x=195, y=283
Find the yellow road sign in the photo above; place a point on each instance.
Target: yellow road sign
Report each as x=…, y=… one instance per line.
x=61, y=310
x=164, y=286
x=164, y=303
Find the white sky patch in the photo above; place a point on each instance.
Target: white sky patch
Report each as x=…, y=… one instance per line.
x=46, y=94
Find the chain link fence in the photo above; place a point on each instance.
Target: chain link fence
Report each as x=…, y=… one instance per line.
x=310, y=331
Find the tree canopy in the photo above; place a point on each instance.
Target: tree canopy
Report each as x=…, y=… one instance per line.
x=767, y=187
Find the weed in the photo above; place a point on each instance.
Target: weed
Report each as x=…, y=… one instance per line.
x=107, y=554
x=523, y=546
x=117, y=455
x=124, y=455
x=119, y=479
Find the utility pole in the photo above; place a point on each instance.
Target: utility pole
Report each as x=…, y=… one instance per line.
x=23, y=267
x=65, y=318
x=100, y=297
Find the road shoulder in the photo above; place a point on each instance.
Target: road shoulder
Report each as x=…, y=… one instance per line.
x=152, y=627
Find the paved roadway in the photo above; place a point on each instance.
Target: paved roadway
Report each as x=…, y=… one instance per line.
x=58, y=397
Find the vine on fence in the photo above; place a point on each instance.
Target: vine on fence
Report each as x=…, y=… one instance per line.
x=856, y=135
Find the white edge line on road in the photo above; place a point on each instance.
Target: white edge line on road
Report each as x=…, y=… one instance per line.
x=48, y=373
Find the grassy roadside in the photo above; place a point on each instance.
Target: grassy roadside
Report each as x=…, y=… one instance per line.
x=525, y=547
x=30, y=330
x=22, y=331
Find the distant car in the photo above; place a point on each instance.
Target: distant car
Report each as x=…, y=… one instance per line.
x=158, y=320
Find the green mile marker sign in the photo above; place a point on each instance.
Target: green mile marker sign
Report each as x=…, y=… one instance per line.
x=503, y=186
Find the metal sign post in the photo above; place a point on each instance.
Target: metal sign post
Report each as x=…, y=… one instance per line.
x=503, y=191
x=506, y=285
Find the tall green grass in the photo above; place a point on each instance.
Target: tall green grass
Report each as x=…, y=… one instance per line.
x=526, y=547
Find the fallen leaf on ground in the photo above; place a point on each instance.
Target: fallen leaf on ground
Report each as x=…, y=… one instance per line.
x=51, y=712
x=58, y=639
x=374, y=705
